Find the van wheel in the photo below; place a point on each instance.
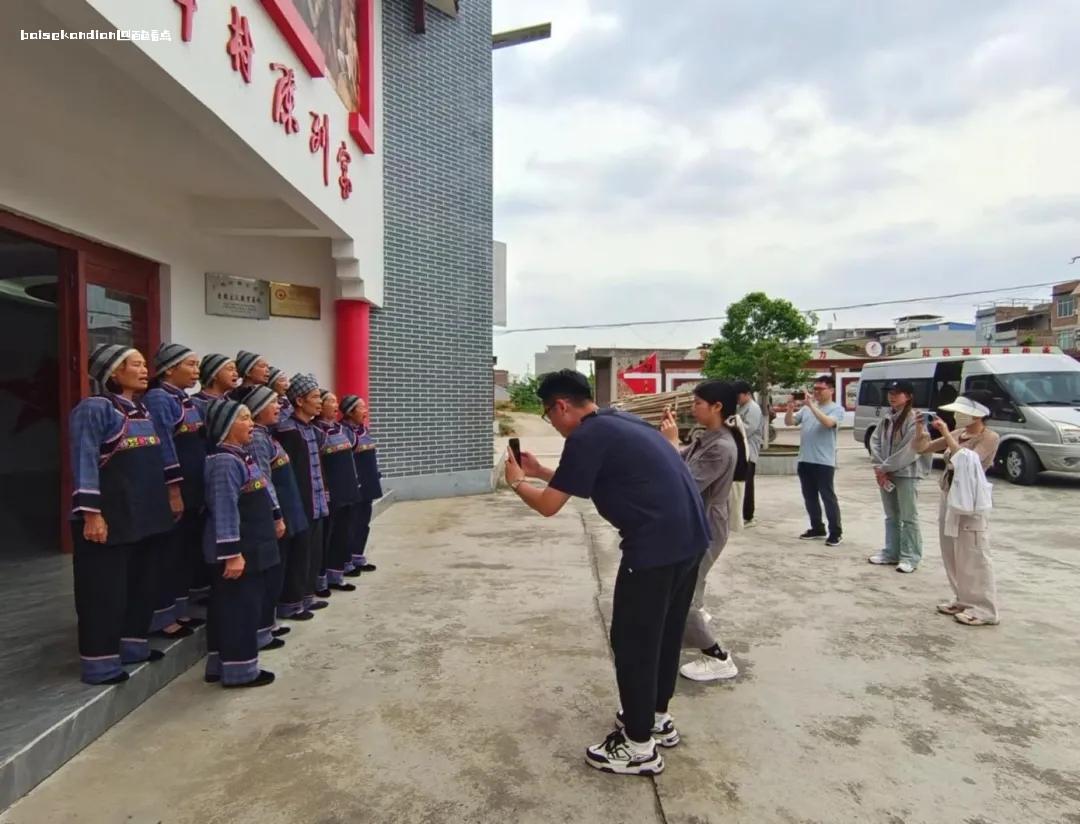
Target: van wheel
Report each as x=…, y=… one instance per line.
x=1020, y=463
x=866, y=440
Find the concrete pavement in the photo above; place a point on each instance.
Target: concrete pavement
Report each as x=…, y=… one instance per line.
x=461, y=683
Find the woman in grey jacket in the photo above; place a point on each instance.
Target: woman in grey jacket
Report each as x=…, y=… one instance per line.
x=898, y=468
x=713, y=460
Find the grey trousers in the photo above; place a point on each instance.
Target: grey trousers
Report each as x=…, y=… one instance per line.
x=697, y=634
x=968, y=564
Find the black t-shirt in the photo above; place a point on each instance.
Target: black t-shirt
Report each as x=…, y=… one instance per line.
x=639, y=484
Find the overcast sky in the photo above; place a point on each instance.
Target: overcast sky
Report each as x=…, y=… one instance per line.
x=661, y=160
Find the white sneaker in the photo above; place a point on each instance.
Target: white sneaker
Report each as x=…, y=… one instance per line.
x=706, y=616
x=905, y=566
x=881, y=559
x=615, y=754
x=709, y=668
x=663, y=733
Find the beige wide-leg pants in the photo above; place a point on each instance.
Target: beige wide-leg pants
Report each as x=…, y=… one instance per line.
x=968, y=564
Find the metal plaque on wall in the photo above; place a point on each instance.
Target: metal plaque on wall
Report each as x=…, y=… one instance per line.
x=235, y=297
x=287, y=300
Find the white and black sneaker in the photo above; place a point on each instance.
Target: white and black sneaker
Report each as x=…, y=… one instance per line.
x=663, y=731
x=617, y=754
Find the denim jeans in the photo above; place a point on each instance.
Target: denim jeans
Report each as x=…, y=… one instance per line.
x=903, y=540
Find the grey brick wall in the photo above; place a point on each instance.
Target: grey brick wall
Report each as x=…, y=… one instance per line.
x=431, y=344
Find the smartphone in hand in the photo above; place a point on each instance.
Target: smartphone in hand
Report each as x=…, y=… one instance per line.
x=515, y=447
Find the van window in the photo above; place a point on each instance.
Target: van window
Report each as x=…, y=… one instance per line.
x=1044, y=388
x=1002, y=406
x=872, y=393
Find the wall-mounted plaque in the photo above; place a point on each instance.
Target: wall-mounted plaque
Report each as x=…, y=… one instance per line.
x=287, y=300
x=234, y=297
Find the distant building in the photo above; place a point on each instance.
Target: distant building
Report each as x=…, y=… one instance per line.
x=1032, y=328
x=989, y=315
x=852, y=337
x=554, y=359
x=1064, y=317
x=922, y=331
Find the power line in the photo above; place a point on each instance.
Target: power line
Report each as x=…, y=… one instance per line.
x=871, y=304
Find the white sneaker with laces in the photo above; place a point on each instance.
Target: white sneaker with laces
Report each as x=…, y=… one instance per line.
x=663, y=732
x=709, y=668
x=617, y=754
x=881, y=559
x=905, y=566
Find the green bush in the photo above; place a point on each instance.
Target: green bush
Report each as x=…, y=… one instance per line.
x=523, y=395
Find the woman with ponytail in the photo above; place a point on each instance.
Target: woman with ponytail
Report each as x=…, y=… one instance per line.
x=714, y=459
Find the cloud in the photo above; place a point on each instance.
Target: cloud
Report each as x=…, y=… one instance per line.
x=1040, y=210
x=654, y=162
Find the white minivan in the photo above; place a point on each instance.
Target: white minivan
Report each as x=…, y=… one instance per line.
x=1035, y=404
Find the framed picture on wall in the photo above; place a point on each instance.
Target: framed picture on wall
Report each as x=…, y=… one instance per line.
x=335, y=39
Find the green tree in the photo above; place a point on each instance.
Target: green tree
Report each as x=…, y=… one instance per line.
x=763, y=342
x=523, y=394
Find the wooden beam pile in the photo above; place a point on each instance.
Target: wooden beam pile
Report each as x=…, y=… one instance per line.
x=651, y=407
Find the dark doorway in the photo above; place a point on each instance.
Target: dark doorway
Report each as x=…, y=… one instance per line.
x=30, y=459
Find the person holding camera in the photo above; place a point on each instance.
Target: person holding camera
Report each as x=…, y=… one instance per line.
x=714, y=459
x=964, y=531
x=818, y=421
x=642, y=487
x=898, y=468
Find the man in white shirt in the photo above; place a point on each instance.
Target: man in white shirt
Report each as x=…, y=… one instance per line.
x=755, y=424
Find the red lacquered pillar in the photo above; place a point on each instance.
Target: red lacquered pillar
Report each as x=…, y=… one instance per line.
x=352, y=334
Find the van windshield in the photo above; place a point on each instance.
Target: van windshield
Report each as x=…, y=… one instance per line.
x=1044, y=388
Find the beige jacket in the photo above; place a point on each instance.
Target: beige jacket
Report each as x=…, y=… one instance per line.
x=985, y=445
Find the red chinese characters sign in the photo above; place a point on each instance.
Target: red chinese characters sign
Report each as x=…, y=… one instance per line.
x=187, y=17
x=344, y=159
x=320, y=140
x=240, y=46
x=281, y=109
x=308, y=51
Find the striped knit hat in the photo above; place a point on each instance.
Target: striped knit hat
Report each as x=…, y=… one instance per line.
x=245, y=361
x=273, y=375
x=220, y=416
x=106, y=359
x=169, y=355
x=210, y=366
x=255, y=398
x=300, y=385
x=348, y=404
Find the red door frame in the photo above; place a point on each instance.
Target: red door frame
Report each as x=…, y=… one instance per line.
x=113, y=269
